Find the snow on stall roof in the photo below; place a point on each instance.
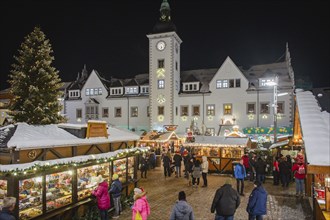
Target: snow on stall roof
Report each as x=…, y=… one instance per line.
x=218, y=141
x=47, y=136
x=315, y=127
x=77, y=159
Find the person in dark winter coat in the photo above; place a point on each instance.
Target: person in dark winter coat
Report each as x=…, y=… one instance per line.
x=103, y=198
x=285, y=172
x=115, y=191
x=225, y=202
x=144, y=166
x=182, y=210
x=196, y=173
x=240, y=174
x=257, y=205
x=260, y=170
x=177, y=162
x=167, y=164
x=7, y=209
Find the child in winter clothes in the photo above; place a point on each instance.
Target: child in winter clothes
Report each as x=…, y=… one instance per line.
x=103, y=198
x=141, y=204
x=182, y=210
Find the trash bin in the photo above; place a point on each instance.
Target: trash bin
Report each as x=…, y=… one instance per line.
x=158, y=160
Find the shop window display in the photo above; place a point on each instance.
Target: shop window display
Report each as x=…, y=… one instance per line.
x=58, y=190
x=30, y=198
x=88, y=178
x=230, y=152
x=119, y=167
x=3, y=191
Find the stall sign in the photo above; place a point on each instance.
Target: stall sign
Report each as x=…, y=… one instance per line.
x=96, y=129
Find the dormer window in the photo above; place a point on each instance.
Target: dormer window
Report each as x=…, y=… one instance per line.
x=265, y=82
x=74, y=93
x=116, y=91
x=191, y=86
x=131, y=90
x=93, y=91
x=144, y=89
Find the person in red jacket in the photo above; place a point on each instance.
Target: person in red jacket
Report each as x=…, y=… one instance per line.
x=299, y=170
x=246, y=163
x=103, y=198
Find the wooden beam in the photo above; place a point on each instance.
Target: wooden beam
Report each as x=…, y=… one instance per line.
x=41, y=155
x=57, y=154
x=313, y=169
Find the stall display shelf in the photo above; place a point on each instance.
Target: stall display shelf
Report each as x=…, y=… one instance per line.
x=3, y=191
x=30, y=213
x=59, y=202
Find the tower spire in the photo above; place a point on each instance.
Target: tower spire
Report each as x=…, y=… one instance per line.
x=165, y=11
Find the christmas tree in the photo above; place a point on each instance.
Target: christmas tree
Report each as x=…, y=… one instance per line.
x=35, y=83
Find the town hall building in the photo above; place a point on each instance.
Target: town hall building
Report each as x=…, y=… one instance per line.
x=205, y=100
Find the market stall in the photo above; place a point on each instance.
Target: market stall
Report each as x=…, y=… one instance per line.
x=315, y=128
x=52, y=172
x=220, y=151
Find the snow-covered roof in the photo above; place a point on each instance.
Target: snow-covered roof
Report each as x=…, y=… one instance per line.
x=219, y=141
x=315, y=126
x=159, y=137
x=69, y=160
x=47, y=136
x=278, y=144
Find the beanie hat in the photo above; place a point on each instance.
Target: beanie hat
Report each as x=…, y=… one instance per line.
x=137, y=190
x=115, y=176
x=182, y=195
x=257, y=183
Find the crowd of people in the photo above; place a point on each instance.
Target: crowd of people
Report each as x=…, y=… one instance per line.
x=226, y=199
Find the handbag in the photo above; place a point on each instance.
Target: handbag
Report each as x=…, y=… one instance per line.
x=138, y=216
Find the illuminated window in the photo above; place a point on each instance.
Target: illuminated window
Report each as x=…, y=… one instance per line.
x=93, y=91
x=227, y=109
x=131, y=90
x=210, y=110
x=161, y=84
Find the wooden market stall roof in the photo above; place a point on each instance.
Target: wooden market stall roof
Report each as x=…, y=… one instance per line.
x=153, y=136
x=24, y=136
x=315, y=126
x=220, y=141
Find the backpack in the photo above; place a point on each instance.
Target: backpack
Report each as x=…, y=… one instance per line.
x=301, y=169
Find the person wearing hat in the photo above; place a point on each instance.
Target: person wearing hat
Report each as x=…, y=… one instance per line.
x=7, y=208
x=225, y=202
x=182, y=210
x=257, y=205
x=103, y=198
x=141, y=205
x=299, y=170
x=115, y=191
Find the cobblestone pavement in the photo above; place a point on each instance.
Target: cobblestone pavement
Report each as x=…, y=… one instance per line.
x=162, y=194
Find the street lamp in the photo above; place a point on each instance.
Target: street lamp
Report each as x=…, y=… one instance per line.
x=275, y=84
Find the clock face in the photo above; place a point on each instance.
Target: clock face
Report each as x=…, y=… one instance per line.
x=161, y=45
x=161, y=99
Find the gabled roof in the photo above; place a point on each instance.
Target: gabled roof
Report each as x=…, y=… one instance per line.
x=204, y=76
x=191, y=78
x=322, y=96
x=131, y=82
x=92, y=101
x=6, y=133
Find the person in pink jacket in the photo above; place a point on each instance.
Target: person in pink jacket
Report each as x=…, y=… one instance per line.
x=141, y=204
x=103, y=198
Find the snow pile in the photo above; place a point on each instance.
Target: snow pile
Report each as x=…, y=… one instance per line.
x=315, y=127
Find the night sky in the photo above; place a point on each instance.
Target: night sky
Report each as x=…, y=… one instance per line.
x=110, y=36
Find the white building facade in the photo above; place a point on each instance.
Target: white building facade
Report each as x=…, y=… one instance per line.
x=205, y=100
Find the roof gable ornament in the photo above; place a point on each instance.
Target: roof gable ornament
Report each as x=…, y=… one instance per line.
x=165, y=11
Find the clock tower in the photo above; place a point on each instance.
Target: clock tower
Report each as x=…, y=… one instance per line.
x=164, y=70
